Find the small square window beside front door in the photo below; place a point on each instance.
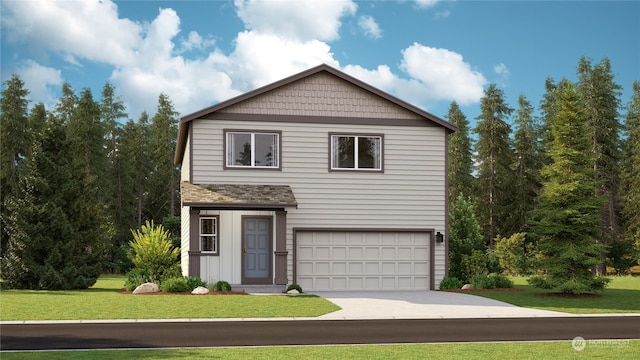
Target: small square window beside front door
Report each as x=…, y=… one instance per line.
x=252, y=149
x=209, y=234
x=356, y=152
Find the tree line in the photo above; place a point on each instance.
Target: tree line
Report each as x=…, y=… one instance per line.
x=561, y=189
x=76, y=179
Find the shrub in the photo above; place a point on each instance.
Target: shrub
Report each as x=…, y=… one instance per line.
x=173, y=271
x=221, y=286
x=483, y=281
x=474, y=264
x=152, y=250
x=294, y=287
x=193, y=282
x=449, y=283
x=176, y=284
x=135, y=278
x=501, y=281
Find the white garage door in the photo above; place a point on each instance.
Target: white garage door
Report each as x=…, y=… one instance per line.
x=345, y=260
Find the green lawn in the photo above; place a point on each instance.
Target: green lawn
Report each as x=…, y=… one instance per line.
x=621, y=296
x=103, y=301
x=621, y=349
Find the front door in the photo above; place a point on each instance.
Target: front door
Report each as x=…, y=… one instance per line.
x=256, y=250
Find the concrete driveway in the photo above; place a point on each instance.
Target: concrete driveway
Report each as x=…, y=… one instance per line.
x=421, y=305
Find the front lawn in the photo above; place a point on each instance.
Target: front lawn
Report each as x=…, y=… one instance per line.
x=613, y=349
x=621, y=296
x=104, y=301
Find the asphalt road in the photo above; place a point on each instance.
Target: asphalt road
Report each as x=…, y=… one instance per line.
x=312, y=332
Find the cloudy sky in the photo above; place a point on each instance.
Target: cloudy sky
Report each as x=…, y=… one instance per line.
x=427, y=52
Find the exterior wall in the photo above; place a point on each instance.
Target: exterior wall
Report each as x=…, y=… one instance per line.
x=184, y=240
x=185, y=168
x=410, y=193
x=227, y=265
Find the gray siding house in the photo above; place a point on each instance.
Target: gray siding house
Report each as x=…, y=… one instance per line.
x=318, y=179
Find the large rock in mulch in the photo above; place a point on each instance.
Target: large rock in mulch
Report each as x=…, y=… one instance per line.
x=467, y=287
x=293, y=291
x=147, y=288
x=200, y=290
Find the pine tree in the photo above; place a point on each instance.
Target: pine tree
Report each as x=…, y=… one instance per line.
x=567, y=220
x=460, y=158
x=164, y=178
x=600, y=97
x=66, y=105
x=631, y=172
x=37, y=119
x=15, y=141
x=495, y=157
x=58, y=234
x=528, y=162
x=465, y=235
x=86, y=133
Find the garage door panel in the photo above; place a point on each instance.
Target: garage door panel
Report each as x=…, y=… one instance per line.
x=344, y=260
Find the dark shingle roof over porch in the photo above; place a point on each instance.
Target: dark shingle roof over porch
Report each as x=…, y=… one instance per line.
x=237, y=196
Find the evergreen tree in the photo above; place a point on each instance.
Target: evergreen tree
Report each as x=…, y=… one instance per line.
x=14, y=131
x=86, y=134
x=465, y=235
x=460, y=157
x=495, y=158
x=164, y=178
x=37, y=119
x=528, y=162
x=66, y=105
x=631, y=171
x=600, y=97
x=567, y=220
x=58, y=233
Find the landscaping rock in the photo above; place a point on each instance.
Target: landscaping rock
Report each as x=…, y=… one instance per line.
x=200, y=290
x=467, y=287
x=293, y=291
x=147, y=288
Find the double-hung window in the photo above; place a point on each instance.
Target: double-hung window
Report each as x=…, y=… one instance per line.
x=356, y=152
x=209, y=241
x=253, y=149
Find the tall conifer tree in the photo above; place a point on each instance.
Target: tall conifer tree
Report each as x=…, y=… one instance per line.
x=631, y=172
x=568, y=220
x=460, y=158
x=495, y=157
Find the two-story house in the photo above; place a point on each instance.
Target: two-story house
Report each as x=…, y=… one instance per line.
x=318, y=179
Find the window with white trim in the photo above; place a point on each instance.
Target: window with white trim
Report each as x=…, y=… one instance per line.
x=253, y=149
x=356, y=152
x=209, y=234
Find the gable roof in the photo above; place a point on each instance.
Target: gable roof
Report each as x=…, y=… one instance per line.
x=207, y=112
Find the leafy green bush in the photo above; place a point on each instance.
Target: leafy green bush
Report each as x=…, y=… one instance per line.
x=483, y=282
x=474, y=264
x=221, y=286
x=152, y=250
x=176, y=284
x=135, y=278
x=193, y=282
x=449, y=283
x=294, y=287
x=501, y=281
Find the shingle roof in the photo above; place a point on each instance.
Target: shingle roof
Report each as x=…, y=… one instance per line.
x=233, y=196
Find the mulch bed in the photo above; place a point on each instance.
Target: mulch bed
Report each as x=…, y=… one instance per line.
x=485, y=290
x=124, y=291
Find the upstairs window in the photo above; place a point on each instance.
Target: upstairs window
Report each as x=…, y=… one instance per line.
x=356, y=152
x=253, y=150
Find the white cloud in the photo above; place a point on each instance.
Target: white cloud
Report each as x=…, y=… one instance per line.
x=302, y=20
x=502, y=70
x=370, y=27
x=444, y=74
x=39, y=79
x=426, y=3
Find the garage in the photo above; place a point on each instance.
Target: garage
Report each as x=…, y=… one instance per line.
x=362, y=259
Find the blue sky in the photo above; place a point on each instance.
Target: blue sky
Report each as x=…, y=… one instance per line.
x=425, y=52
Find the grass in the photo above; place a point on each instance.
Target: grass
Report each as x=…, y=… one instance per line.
x=620, y=349
x=103, y=301
x=621, y=296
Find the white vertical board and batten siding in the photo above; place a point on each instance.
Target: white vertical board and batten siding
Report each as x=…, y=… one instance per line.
x=410, y=193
